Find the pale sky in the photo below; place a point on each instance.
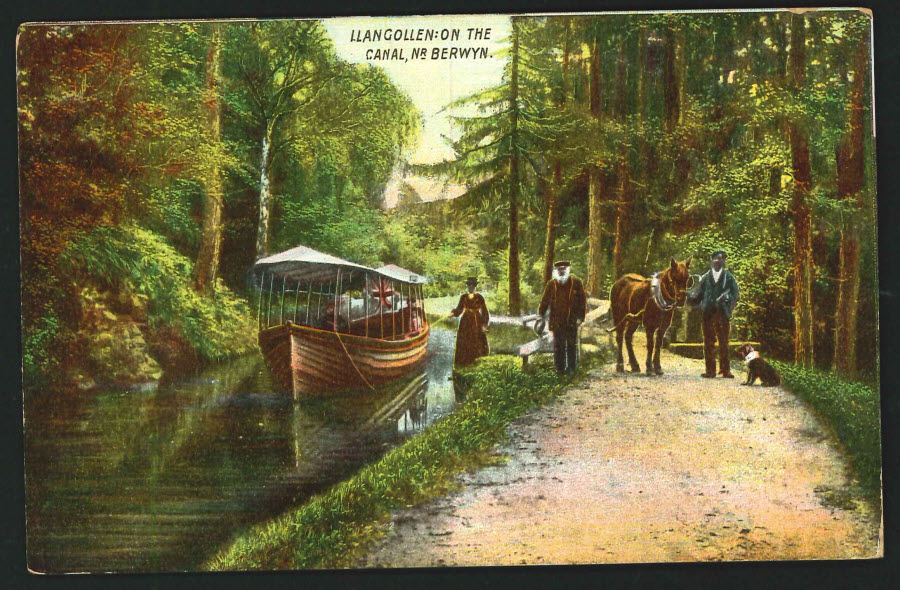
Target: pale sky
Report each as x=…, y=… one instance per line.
x=430, y=83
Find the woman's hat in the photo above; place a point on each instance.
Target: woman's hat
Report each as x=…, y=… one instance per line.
x=472, y=281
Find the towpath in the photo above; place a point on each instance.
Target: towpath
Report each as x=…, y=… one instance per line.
x=626, y=469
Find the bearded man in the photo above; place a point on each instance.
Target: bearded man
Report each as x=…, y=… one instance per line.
x=564, y=295
x=716, y=294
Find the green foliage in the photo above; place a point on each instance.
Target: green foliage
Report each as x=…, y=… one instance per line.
x=333, y=528
x=215, y=328
x=115, y=132
x=333, y=130
x=529, y=292
x=355, y=233
x=853, y=410
x=39, y=343
x=444, y=247
x=168, y=211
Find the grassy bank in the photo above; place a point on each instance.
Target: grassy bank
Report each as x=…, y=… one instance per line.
x=334, y=528
x=851, y=409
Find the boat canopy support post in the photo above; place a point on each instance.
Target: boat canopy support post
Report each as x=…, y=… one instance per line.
x=349, y=301
x=422, y=293
x=269, y=301
x=309, y=302
x=283, y=287
x=262, y=280
x=366, y=301
x=337, y=299
x=319, y=301
x=417, y=321
x=422, y=306
x=296, y=301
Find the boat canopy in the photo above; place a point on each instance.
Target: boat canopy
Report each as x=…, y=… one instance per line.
x=305, y=264
x=399, y=273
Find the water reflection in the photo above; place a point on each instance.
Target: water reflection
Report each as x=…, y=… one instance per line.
x=155, y=480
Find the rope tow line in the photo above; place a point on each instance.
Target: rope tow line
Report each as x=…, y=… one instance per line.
x=352, y=362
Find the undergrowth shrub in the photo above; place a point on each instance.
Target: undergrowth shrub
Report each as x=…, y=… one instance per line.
x=144, y=262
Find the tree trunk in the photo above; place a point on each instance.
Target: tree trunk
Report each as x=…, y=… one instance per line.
x=595, y=233
x=670, y=84
x=211, y=236
x=553, y=192
x=514, y=293
x=645, y=168
x=850, y=180
x=595, y=227
x=552, y=219
x=265, y=196
x=672, y=92
x=802, y=260
x=621, y=218
x=681, y=58
x=624, y=173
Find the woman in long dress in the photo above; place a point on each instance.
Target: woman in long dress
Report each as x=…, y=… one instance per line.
x=471, y=341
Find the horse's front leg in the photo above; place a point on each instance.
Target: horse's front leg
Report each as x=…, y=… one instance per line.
x=649, y=332
x=664, y=326
x=659, y=341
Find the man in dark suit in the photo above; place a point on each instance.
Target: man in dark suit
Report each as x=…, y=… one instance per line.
x=565, y=297
x=716, y=294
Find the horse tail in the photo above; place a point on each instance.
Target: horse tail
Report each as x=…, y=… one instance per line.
x=615, y=310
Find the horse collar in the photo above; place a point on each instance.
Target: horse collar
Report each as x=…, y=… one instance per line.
x=656, y=288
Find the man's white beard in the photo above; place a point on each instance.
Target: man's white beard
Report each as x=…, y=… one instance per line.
x=561, y=275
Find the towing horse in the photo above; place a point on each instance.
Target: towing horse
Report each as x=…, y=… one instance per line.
x=634, y=298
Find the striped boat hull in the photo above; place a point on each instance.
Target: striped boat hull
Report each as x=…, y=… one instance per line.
x=310, y=362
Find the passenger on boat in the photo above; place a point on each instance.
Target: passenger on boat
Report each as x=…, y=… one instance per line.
x=327, y=321
x=471, y=341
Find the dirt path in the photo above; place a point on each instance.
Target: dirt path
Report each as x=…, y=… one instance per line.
x=634, y=469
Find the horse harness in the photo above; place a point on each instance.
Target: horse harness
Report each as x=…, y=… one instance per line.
x=661, y=295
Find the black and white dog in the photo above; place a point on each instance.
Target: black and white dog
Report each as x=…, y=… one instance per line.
x=757, y=367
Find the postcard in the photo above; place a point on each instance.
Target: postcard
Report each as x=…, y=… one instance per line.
x=470, y=290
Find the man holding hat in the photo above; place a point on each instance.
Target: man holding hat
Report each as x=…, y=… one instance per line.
x=716, y=294
x=564, y=295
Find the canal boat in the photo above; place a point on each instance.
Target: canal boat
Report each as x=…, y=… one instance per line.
x=328, y=325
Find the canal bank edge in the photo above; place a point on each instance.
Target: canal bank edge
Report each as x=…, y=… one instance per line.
x=333, y=529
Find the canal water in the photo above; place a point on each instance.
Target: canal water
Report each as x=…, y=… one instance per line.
x=158, y=479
